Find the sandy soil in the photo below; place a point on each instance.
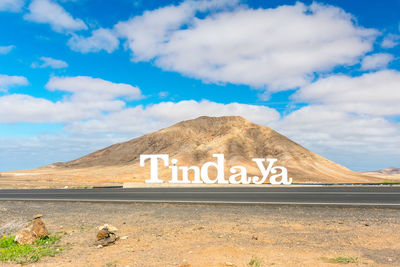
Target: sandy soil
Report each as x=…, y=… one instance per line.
x=214, y=235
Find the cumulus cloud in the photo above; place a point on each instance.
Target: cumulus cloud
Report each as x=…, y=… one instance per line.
x=142, y=119
x=327, y=125
x=376, y=61
x=391, y=40
x=89, y=98
x=351, y=139
x=278, y=48
x=50, y=62
x=374, y=93
x=49, y=12
x=7, y=81
x=101, y=39
x=11, y=5
x=87, y=88
x=6, y=49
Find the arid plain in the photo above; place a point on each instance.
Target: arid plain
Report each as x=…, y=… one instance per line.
x=214, y=235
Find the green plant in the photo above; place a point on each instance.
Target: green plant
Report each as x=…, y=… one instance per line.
x=12, y=251
x=391, y=181
x=254, y=262
x=111, y=264
x=341, y=259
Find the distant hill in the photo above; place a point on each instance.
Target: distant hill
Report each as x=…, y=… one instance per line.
x=193, y=142
x=388, y=173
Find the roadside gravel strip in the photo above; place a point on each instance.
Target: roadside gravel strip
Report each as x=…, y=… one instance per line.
x=213, y=235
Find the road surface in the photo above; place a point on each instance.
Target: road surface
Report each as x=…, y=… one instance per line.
x=307, y=195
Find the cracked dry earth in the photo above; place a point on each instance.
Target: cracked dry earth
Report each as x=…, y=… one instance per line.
x=213, y=235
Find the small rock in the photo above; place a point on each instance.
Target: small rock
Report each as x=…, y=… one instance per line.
x=228, y=263
x=106, y=237
x=32, y=232
x=102, y=234
x=220, y=236
x=124, y=237
x=109, y=227
x=366, y=224
x=99, y=246
x=37, y=216
x=254, y=237
x=39, y=228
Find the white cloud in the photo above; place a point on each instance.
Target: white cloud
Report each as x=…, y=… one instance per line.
x=148, y=33
x=32, y=152
x=6, y=49
x=7, y=81
x=376, y=61
x=101, y=39
x=277, y=48
x=50, y=62
x=356, y=141
x=90, y=89
x=89, y=98
x=374, y=93
x=140, y=119
x=390, y=40
x=327, y=125
x=48, y=11
x=11, y=5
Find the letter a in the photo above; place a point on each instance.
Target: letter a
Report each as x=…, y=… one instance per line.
x=242, y=174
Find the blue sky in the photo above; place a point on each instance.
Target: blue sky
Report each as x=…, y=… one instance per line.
x=78, y=75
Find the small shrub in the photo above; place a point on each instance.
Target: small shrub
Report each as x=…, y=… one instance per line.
x=254, y=262
x=342, y=259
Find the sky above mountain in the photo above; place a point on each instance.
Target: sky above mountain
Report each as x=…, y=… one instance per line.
x=78, y=75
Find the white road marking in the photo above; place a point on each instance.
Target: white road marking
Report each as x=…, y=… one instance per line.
x=210, y=202
x=200, y=192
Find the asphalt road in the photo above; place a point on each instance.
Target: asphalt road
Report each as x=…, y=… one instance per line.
x=310, y=195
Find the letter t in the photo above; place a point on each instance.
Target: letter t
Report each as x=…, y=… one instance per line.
x=154, y=166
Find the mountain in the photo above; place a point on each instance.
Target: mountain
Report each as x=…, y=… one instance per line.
x=388, y=173
x=193, y=142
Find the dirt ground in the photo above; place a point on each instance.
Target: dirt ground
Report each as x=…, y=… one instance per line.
x=213, y=235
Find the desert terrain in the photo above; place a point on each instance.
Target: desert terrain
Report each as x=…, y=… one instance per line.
x=391, y=173
x=213, y=235
x=192, y=143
